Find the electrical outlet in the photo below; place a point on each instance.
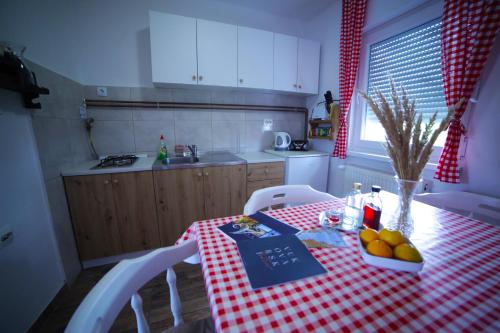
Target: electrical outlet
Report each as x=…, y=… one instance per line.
x=102, y=91
x=6, y=235
x=83, y=111
x=268, y=125
x=426, y=185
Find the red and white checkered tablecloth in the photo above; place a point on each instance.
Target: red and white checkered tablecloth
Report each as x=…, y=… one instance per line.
x=457, y=290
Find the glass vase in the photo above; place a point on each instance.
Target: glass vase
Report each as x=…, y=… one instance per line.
x=403, y=220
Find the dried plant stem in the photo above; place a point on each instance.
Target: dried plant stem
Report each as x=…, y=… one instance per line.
x=407, y=144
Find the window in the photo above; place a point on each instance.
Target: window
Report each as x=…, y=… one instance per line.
x=412, y=59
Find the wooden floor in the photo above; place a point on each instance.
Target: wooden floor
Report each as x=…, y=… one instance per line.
x=155, y=297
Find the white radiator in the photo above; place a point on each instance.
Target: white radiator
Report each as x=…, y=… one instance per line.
x=368, y=177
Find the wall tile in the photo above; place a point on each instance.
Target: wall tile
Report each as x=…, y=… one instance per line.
x=228, y=135
x=191, y=96
x=294, y=128
x=147, y=135
x=151, y=94
x=195, y=114
x=228, y=115
x=194, y=132
x=114, y=93
x=80, y=146
x=109, y=114
x=154, y=114
x=53, y=141
x=256, y=139
x=113, y=137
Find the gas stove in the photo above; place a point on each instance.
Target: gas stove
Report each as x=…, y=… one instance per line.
x=112, y=161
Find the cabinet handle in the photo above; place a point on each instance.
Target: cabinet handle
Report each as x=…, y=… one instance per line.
x=115, y=181
x=106, y=182
x=194, y=77
x=266, y=170
x=295, y=86
x=300, y=86
x=206, y=173
x=241, y=80
x=200, y=78
x=199, y=174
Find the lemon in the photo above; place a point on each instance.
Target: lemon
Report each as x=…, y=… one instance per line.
x=368, y=235
x=379, y=248
x=407, y=252
x=391, y=237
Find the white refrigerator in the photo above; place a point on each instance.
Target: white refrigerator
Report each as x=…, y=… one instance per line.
x=305, y=168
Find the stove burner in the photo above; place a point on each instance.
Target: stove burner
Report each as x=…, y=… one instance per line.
x=116, y=161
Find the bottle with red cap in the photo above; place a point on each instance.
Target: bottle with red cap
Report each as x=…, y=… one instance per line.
x=162, y=151
x=372, y=209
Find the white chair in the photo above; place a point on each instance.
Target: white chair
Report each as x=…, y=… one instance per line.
x=284, y=194
x=102, y=305
x=481, y=207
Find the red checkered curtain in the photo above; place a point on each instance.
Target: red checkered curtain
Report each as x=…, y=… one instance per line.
x=468, y=31
x=353, y=18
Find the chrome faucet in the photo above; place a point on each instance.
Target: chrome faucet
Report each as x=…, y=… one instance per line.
x=194, y=152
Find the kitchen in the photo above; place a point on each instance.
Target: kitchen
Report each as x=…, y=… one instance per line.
x=231, y=86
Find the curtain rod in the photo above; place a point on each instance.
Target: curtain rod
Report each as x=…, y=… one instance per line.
x=174, y=105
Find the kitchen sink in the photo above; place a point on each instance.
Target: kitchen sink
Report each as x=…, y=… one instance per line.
x=180, y=160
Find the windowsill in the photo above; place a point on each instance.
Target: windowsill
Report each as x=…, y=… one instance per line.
x=430, y=166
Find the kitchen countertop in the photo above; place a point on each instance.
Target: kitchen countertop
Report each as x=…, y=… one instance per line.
x=206, y=160
x=259, y=157
x=84, y=168
x=292, y=153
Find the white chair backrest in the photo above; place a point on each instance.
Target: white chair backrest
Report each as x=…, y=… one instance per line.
x=102, y=305
x=481, y=207
x=284, y=194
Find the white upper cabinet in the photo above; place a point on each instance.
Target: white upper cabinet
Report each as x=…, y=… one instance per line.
x=285, y=62
x=308, y=66
x=173, y=48
x=217, y=53
x=255, y=58
x=192, y=51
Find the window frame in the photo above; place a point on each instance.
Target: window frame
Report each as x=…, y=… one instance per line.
x=374, y=149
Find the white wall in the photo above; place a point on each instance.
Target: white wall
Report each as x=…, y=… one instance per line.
x=482, y=157
x=30, y=265
x=107, y=42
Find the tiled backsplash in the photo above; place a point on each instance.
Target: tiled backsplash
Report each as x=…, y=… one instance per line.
x=138, y=130
x=119, y=131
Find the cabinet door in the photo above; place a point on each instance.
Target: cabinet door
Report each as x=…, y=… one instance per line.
x=285, y=62
x=217, y=45
x=260, y=184
x=255, y=58
x=308, y=66
x=173, y=48
x=225, y=190
x=134, y=198
x=92, y=213
x=179, y=201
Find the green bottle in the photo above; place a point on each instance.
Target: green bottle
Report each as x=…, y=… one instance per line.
x=162, y=152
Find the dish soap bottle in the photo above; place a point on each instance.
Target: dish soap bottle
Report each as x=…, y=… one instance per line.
x=372, y=209
x=162, y=151
x=352, y=210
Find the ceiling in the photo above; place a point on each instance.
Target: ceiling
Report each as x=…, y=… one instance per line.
x=296, y=9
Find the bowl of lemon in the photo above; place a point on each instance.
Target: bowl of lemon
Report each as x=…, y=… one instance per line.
x=389, y=249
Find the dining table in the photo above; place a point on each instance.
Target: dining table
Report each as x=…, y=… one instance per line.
x=457, y=290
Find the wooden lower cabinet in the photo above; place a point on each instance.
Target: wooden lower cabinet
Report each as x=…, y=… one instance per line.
x=179, y=201
x=262, y=175
x=134, y=199
x=184, y=196
x=112, y=213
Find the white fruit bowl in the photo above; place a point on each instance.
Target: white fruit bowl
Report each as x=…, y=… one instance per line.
x=395, y=264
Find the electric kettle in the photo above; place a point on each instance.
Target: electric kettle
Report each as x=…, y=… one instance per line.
x=281, y=140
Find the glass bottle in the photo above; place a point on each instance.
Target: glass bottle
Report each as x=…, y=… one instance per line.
x=372, y=209
x=352, y=210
